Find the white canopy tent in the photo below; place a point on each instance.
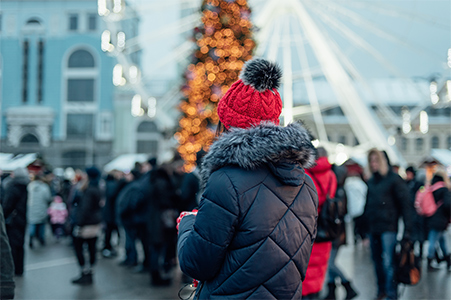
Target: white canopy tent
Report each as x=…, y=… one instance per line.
x=125, y=162
x=9, y=163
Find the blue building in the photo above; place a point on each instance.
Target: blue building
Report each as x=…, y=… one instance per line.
x=57, y=93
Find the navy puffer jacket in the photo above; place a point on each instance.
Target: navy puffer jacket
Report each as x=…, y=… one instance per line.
x=256, y=224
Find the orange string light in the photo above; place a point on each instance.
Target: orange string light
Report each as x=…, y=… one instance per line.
x=224, y=43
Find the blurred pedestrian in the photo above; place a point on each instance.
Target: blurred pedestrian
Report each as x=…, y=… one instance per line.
x=7, y=284
x=113, y=185
x=438, y=222
x=418, y=234
x=387, y=199
x=356, y=191
x=333, y=270
x=58, y=216
x=86, y=224
x=326, y=184
x=133, y=218
x=253, y=233
x=39, y=198
x=15, y=209
x=161, y=226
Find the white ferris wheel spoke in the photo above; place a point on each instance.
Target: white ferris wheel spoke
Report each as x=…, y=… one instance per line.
x=318, y=118
x=287, y=78
x=355, y=39
x=382, y=7
x=363, y=123
x=361, y=22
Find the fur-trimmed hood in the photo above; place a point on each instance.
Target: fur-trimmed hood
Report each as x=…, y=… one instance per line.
x=263, y=144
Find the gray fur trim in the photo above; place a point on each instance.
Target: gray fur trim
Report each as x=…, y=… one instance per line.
x=261, y=74
x=259, y=145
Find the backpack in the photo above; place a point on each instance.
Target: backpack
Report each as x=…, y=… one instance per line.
x=407, y=263
x=425, y=204
x=331, y=218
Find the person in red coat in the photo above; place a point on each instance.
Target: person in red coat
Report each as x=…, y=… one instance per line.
x=326, y=183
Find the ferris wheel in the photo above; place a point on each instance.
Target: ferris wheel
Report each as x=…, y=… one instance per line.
x=320, y=46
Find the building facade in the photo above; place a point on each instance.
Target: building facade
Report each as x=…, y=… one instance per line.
x=56, y=82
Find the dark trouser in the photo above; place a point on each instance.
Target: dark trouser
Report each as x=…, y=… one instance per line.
x=131, y=255
x=382, y=252
x=109, y=228
x=143, y=235
x=38, y=231
x=17, y=252
x=78, y=246
x=16, y=238
x=58, y=230
x=333, y=270
x=360, y=229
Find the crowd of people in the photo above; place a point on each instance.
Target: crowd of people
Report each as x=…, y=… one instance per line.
x=94, y=211
x=255, y=198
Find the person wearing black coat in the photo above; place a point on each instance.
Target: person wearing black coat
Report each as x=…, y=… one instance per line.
x=253, y=234
x=438, y=222
x=15, y=208
x=87, y=220
x=162, y=233
x=113, y=186
x=418, y=233
x=387, y=200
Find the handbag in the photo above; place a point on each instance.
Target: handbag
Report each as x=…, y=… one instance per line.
x=407, y=263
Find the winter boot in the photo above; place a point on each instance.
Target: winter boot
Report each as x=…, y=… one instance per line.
x=430, y=266
x=331, y=291
x=350, y=292
x=84, y=279
x=448, y=262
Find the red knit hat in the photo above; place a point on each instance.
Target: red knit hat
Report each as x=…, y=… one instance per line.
x=254, y=97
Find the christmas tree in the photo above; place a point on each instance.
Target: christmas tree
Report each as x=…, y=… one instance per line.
x=224, y=43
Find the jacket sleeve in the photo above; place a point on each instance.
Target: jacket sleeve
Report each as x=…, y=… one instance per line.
x=10, y=200
x=6, y=263
x=406, y=206
x=204, y=239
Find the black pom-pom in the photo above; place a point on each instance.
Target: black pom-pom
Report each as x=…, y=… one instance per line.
x=261, y=74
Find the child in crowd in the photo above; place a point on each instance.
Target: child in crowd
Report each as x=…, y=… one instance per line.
x=58, y=216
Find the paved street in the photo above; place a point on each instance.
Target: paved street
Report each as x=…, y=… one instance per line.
x=50, y=269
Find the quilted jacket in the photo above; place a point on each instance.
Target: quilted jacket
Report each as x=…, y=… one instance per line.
x=256, y=224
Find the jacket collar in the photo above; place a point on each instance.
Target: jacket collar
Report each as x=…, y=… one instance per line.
x=260, y=145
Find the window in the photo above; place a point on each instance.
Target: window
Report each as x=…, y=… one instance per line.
x=148, y=147
x=33, y=21
x=342, y=139
x=105, y=125
x=40, y=69
x=92, y=22
x=29, y=139
x=81, y=59
x=25, y=55
x=403, y=144
x=74, y=159
x=80, y=90
x=147, y=127
x=435, y=142
x=80, y=125
x=449, y=142
x=73, y=22
x=419, y=143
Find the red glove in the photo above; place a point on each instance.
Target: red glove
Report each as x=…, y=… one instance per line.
x=183, y=214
